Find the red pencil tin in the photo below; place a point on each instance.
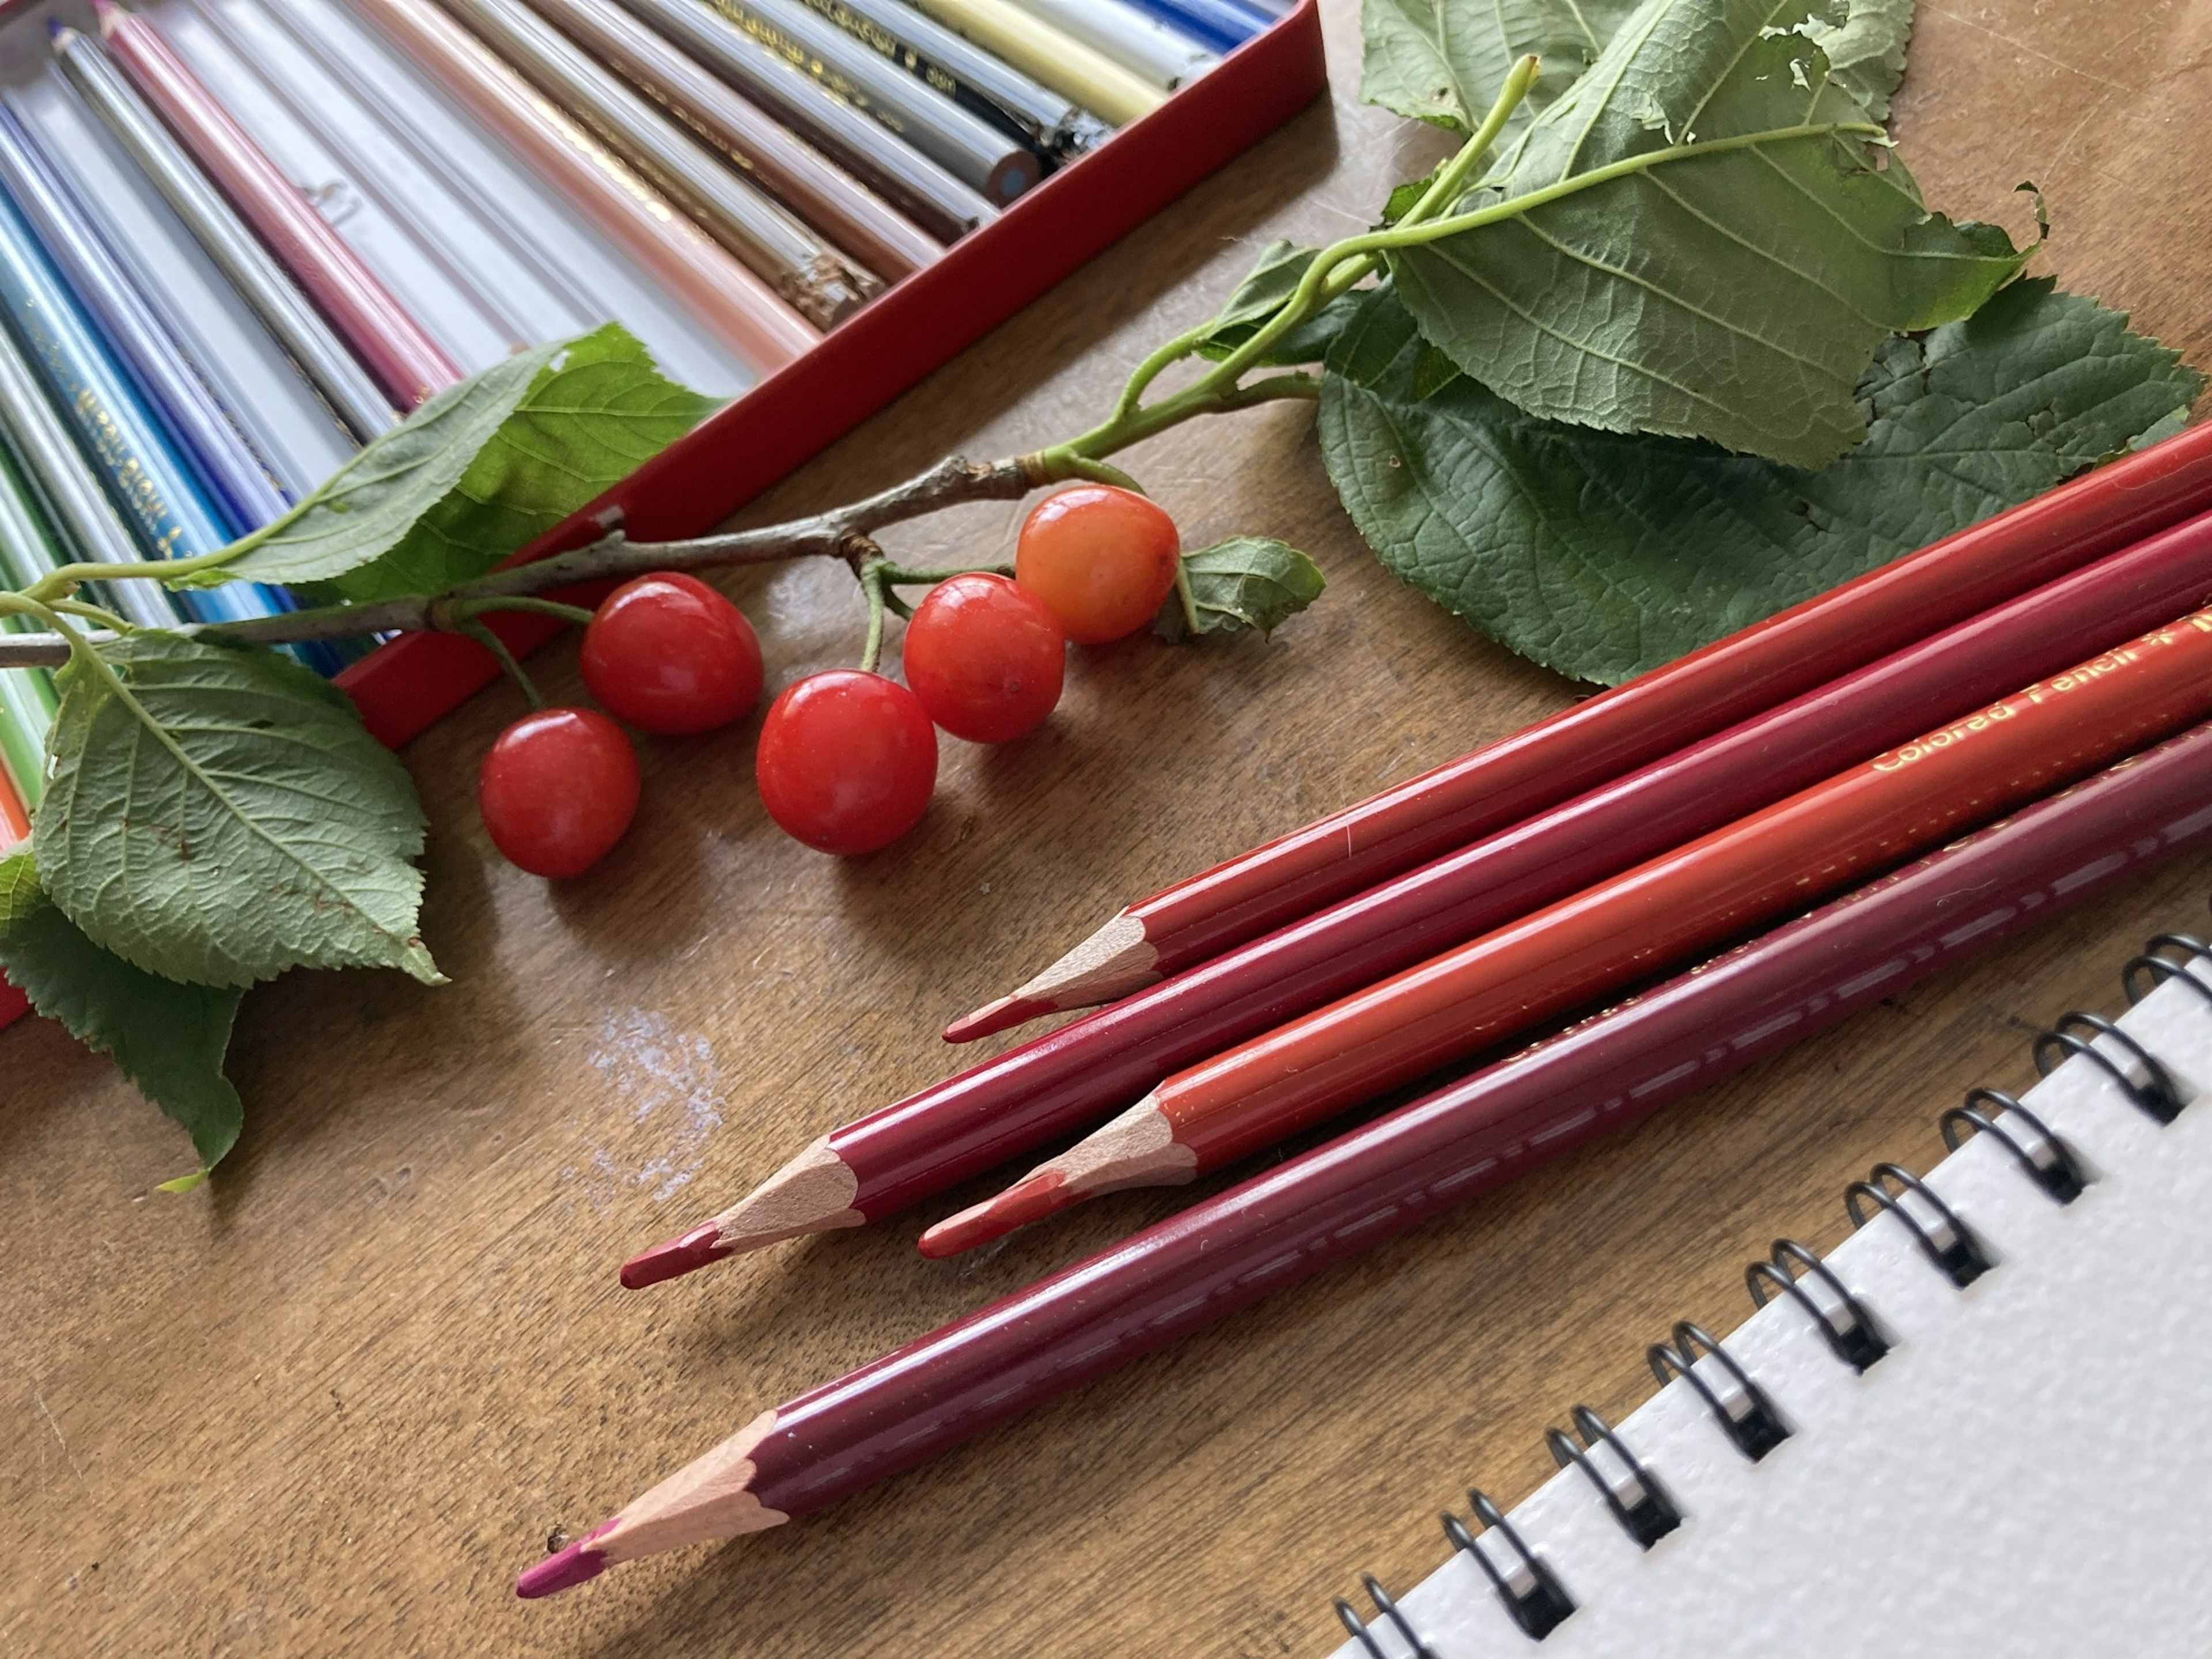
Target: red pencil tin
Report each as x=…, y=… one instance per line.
x=864, y=363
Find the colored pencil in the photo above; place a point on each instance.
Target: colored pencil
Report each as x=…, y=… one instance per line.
x=1139, y=42
x=1069, y=1079
x=353, y=395
x=930, y=195
x=409, y=364
x=15, y=827
x=27, y=695
x=1598, y=738
x=250, y=32
x=810, y=275
x=1661, y=913
x=1067, y=64
x=819, y=191
x=972, y=150
x=744, y=312
x=1221, y=25
x=1052, y=125
x=75, y=504
x=1367, y=1186
x=238, y=478
x=166, y=503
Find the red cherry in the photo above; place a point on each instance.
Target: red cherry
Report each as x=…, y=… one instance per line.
x=986, y=657
x=667, y=653
x=1102, y=558
x=847, y=761
x=556, y=790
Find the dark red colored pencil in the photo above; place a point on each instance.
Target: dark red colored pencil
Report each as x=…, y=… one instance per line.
x=1228, y=1251
x=1582, y=747
x=1071, y=1078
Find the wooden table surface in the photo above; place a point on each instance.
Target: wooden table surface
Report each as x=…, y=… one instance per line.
x=331, y=1402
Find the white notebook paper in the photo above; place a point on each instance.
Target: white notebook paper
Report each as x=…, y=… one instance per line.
x=2027, y=1471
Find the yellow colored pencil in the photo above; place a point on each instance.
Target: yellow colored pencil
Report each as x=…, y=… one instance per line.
x=1053, y=55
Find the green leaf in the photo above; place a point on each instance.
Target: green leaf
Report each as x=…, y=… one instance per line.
x=1261, y=295
x=1246, y=581
x=477, y=472
x=169, y=1038
x=1444, y=60
x=1866, y=52
x=217, y=814
x=1603, y=556
x=1734, y=280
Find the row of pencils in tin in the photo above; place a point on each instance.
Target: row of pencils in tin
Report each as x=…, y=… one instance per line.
x=1719, y=858
x=241, y=238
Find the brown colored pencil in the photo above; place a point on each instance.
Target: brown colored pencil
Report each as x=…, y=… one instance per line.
x=1647, y=918
x=808, y=183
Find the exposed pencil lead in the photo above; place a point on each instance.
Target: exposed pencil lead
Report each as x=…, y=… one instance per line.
x=1113, y=961
x=673, y=1258
x=1137, y=1149
x=564, y=1569
x=992, y=1018
x=1029, y=1200
x=813, y=1193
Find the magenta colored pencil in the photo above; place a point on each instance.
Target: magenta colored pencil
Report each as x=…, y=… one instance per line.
x=406, y=360
x=1226, y=1252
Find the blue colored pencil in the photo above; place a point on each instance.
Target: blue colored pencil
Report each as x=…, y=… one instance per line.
x=237, y=479
x=1223, y=25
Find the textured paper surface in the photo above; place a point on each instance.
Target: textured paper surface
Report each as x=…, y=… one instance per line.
x=2024, y=1473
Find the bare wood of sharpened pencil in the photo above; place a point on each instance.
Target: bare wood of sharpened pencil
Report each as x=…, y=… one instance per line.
x=352, y=393
x=811, y=277
x=941, y=204
x=818, y=191
x=743, y=312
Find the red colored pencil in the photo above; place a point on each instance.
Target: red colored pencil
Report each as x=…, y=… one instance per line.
x=1356, y=1192
x=1069, y=1079
x=15, y=821
x=1581, y=747
x=406, y=361
x=1648, y=918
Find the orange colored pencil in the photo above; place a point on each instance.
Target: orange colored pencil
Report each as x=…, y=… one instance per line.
x=15, y=821
x=1624, y=929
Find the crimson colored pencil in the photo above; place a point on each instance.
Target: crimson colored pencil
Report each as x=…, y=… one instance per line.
x=1068, y=1079
x=1581, y=747
x=15, y=821
x=390, y=343
x=1363, y=1189
x=1662, y=912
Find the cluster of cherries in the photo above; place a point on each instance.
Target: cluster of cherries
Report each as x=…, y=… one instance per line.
x=848, y=758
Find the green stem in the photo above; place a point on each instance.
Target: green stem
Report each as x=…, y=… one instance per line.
x=492, y=642
x=92, y=613
x=898, y=574
x=462, y=610
x=872, y=584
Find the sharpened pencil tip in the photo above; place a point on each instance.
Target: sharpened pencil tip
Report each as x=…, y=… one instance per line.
x=107, y=12
x=675, y=1257
x=564, y=1569
x=59, y=33
x=995, y=1016
x=1020, y=1204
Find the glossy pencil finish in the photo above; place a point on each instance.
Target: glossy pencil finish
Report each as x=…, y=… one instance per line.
x=1628, y=926
x=1139, y=42
x=1598, y=738
x=352, y=393
x=410, y=365
x=819, y=191
x=27, y=695
x=65, y=486
x=15, y=827
x=1368, y=1187
x=744, y=313
x=932, y=197
x=1067, y=65
x=970, y=150
x=1052, y=125
x=238, y=479
x=1069, y=1079
x=808, y=276
x=167, y=507
x=1223, y=25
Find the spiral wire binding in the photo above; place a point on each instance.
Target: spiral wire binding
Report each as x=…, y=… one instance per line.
x=1532, y=1595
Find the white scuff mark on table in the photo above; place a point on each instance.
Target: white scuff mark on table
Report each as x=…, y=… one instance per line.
x=667, y=1082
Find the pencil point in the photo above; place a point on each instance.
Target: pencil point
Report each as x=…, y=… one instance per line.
x=1031, y=1199
x=674, y=1257
x=995, y=1016
x=107, y=12
x=564, y=1569
x=59, y=33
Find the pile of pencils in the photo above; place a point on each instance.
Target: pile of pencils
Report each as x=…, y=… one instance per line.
x=241, y=238
x=1736, y=850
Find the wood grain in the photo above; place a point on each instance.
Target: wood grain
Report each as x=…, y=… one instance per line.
x=331, y=1404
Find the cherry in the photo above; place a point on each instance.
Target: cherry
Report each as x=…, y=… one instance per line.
x=847, y=761
x=667, y=653
x=986, y=657
x=556, y=790
x=1102, y=558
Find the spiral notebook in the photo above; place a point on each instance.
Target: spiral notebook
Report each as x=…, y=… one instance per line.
x=1978, y=1427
